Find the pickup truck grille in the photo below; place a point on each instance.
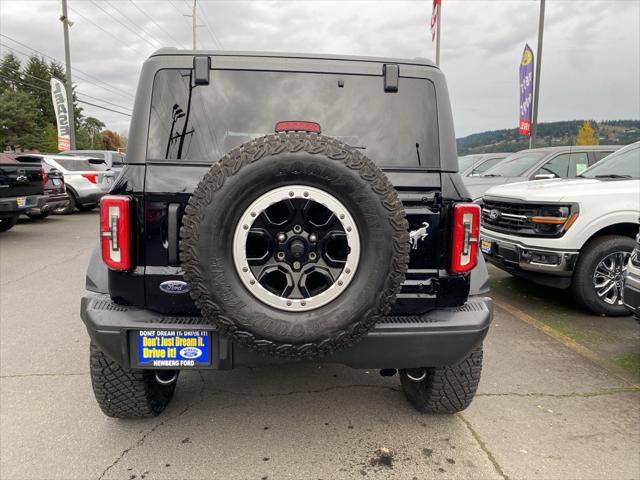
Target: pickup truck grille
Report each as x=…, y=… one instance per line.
x=509, y=217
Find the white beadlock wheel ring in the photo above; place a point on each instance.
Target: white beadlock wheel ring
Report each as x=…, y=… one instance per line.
x=290, y=193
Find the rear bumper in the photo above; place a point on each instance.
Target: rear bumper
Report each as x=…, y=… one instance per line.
x=441, y=337
x=53, y=202
x=12, y=205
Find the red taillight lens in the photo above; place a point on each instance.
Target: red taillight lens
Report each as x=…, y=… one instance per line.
x=466, y=230
x=296, y=126
x=115, y=231
x=43, y=175
x=92, y=177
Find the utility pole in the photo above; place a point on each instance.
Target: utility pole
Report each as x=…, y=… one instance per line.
x=193, y=25
x=536, y=91
x=438, y=34
x=67, y=58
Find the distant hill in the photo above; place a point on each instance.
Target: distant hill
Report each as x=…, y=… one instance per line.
x=614, y=132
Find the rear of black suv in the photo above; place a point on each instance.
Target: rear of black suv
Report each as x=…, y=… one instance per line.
x=279, y=208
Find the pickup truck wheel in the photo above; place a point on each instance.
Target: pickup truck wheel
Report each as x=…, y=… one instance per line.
x=124, y=393
x=598, y=276
x=447, y=389
x=7, y=223
x=69, y=208
x=294, y=245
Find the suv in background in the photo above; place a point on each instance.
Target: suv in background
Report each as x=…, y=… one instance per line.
x=21, y=188
x=113, y=159
x=87, y=180
x=477, y=164
x=576, y=233
x=54, y=188
x=283, y=208
x=538, y=164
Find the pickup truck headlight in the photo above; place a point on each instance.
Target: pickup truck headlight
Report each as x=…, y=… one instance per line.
x=553, y=220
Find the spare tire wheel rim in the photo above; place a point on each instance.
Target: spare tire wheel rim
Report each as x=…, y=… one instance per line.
x=296, y=248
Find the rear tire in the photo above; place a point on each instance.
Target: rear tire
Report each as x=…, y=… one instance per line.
x=7, y=223
x=88, y=207
x=124, y=393
x=70, y=208
x=583, y=286
x=448, y=389
x=39, y=216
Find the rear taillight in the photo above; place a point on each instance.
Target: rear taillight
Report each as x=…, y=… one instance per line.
x=115, y=231
x=92, y=177
x=43, y=176
x=466, y=230
x=298, y=126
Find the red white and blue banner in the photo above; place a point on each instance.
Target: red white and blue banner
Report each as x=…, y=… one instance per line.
x=526, y=91
x=433, y=24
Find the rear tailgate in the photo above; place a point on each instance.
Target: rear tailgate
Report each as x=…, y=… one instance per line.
x=20, y=179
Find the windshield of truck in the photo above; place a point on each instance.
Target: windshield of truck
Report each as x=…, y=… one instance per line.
x=81, y=165
x=515, y=165
x=624, y=163
x=202, y=123
x=465, y=162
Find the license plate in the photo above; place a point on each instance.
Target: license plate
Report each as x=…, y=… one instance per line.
x=486, y=246
x=174, y=348
x=21, y=201
x=57, y=182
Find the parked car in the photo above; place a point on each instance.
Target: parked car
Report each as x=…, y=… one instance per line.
x=21, y=188
x=87, y=180
x=249, y=238
x=631, y=292
x=113, y=159
x=477, y=164
x=576, y=233
x=54, y=188
x=538, y=164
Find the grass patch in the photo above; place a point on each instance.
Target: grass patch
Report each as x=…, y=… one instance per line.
x=630, y=363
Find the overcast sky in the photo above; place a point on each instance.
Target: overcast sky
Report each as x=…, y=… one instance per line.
x=591, y=56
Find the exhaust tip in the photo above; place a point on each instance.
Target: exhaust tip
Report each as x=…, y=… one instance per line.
x=166, y=377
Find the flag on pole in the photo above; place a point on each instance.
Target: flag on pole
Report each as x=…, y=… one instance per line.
x=526, y=91
x=434, y=18
x=59, y=97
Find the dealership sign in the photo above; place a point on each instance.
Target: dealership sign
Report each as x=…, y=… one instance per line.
x=60, y=106
x=526, y=91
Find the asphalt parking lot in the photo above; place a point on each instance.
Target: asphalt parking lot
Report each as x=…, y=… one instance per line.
x=544, y=409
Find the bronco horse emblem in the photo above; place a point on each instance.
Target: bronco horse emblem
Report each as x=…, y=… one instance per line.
x=418, y=235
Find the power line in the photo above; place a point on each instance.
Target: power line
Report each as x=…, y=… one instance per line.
x=75, y=69
x=209, y=28
x=105, y=31
x=103, y=108
x=154, y=22
x=181, y=14
x=125, y=26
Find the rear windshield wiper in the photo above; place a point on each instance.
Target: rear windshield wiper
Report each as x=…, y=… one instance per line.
x=491, y=175
x=613, y=175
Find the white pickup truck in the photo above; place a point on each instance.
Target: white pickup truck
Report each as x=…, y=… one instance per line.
x=569, y=233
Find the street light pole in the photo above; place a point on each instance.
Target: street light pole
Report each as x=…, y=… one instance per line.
x=67, y=58
x=439, y=24
x=536, y=91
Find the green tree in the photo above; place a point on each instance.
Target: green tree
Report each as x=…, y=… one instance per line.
x=10, y=73
x=586, y=135
x=18, y=121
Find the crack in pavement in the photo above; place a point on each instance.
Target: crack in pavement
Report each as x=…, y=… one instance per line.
x=44, y=267
x=27, y=375
x=142, y=439
x=483, y=446
x=596, y=393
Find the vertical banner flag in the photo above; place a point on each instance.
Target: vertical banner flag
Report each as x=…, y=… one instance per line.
x=59, y=97
x=526, y=90
x=434, y=18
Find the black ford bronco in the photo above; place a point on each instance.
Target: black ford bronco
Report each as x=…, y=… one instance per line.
x=282, y=208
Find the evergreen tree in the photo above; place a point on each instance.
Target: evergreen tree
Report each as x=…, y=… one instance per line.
x=18, y=121
x=10, y=73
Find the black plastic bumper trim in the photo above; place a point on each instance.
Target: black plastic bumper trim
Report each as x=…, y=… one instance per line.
x=440, y=337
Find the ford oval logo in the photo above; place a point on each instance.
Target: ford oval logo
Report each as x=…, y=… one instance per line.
x=190, y=352
x=494, y=214
x=174, y=287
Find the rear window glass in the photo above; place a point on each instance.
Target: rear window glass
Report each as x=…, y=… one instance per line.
x=75, y=165
x=203, y=123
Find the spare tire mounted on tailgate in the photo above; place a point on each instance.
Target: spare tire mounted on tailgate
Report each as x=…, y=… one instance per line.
x=294, y=244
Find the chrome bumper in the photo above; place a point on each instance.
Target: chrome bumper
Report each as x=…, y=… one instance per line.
x=529, y=258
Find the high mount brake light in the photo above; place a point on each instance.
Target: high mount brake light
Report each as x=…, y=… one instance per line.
x=115, y=231
x=298, y=126
x=466, y=230
x=92, y=177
